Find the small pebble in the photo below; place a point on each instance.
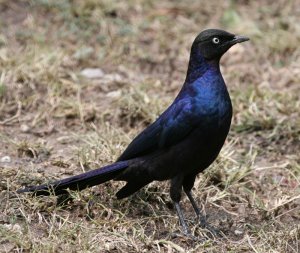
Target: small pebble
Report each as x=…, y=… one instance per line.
x=92, y=73
x=24, y=128
x=5, y=159
x=114, y=94
x=238, y=232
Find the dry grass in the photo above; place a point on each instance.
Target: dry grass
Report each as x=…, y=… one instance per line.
x=55, y=123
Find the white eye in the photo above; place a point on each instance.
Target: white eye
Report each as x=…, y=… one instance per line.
x=216, y=40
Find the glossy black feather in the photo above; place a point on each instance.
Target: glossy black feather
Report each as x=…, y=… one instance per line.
x=183, y=141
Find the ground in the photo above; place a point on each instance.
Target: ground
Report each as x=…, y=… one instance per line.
x=56, y=120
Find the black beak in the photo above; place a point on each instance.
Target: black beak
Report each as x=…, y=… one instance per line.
x=239, y=39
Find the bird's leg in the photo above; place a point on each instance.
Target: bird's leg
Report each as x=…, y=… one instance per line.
x=201, y=217
x=183, y=224
x=175, y=193
x=185, y=228
x=188, y=183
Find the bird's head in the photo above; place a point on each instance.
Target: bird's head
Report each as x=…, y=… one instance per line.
x=213, y=43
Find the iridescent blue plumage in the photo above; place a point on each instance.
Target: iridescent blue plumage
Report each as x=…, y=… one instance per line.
x=203, y=94
x=183, y=141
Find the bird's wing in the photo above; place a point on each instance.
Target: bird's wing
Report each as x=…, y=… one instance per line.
x=169, y=129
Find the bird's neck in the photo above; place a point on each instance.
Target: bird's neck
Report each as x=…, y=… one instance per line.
x=198, y=66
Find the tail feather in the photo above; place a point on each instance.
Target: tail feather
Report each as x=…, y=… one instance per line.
x=79, y=182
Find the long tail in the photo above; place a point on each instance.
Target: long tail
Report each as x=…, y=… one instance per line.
x=79, y=182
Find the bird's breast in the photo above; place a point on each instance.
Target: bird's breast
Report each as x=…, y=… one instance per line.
x=211, y=101
x=212, y=105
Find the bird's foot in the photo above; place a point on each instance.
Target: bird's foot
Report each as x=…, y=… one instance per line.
x=214, y=231
x=186, y=235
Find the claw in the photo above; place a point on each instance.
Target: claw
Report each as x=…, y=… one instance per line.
x=187, y=235
x=214, y=231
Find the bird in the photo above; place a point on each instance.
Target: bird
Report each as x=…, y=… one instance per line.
x=182, y=142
